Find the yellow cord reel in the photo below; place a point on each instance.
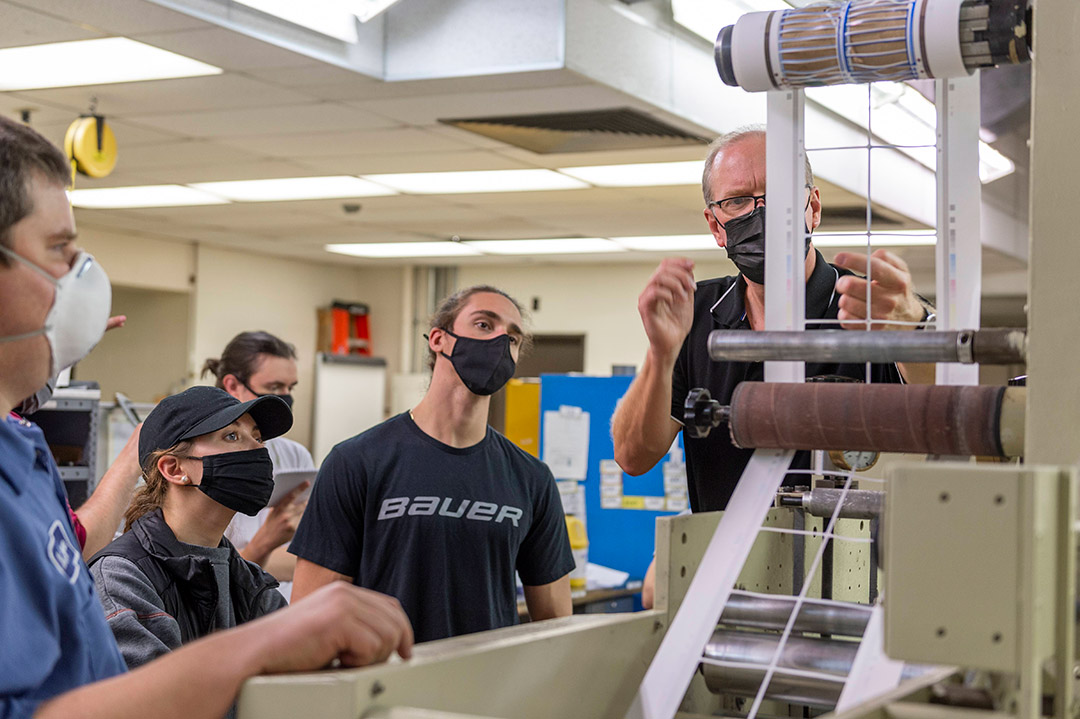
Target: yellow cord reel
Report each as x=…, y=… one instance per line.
x=91, y=146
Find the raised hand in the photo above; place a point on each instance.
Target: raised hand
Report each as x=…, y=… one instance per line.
x=666, y=306
x=892, y=294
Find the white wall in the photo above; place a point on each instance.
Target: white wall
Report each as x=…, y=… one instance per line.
x=225, y=292
x=135, y=261
x=147, y=359
x=236, y=292
x=599, y=301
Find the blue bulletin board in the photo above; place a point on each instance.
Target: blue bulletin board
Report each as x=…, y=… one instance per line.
x=621, y=528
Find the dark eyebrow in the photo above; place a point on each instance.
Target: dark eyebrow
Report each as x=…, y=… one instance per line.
x=514, y=329
x=64, y=235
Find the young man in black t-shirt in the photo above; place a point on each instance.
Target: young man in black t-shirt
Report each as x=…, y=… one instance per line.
x=436, y=508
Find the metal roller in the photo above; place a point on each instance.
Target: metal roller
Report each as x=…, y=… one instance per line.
x=821, y=502
x=744, y=682
x=918, y=419
x=823, y=656
x=996, y=346
x=857, y=41
x=847, y=620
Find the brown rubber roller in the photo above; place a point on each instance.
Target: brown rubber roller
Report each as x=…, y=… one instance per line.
x=919, y=419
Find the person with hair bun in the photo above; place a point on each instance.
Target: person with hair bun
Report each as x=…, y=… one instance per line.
x=172, y=577
x=258, y=364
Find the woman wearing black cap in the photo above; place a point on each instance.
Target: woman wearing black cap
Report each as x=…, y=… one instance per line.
x=173, y=577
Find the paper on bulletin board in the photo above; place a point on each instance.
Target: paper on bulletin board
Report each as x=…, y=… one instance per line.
x=573, y=498
x=566, y=442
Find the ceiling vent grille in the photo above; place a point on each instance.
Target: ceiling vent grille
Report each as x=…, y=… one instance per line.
x=846, y=217
x=592, y=130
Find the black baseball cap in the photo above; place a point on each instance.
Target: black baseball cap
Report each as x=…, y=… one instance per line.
x=201, y=410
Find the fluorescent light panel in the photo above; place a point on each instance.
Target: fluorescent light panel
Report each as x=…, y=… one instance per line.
x=294, y=188
x=440, y=183
x=115, y=198
x=652, y=174
x=557, y=246
x=403, y=249
x=902, y=116
x=93, y=62
x=877, y=239
x=668, y=243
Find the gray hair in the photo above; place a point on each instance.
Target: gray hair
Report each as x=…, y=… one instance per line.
x=722, y=143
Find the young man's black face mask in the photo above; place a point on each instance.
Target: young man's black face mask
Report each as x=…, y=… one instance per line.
x=746, y=242
x=484, y=366
x=287, y=398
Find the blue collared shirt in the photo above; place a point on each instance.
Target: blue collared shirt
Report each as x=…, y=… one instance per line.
x=53, y=635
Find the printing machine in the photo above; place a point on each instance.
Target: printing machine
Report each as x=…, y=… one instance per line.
x=978, y=560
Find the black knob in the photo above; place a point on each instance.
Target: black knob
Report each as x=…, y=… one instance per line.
x=701, y=413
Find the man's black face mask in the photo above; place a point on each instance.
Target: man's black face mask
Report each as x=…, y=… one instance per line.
x=484, y=366
x=746, y=242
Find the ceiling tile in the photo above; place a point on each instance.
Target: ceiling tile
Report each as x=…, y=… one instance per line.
x=246, y=122
x=128, y=135
x=119, y=17
x=411, y=162
x=510, y=202
x=25, y=26
x=41, y=115
x=190, y=94
x=492, y=227
x=226, y=49
x=311, y=75
x=164, y=156
x=258, y=170
x=372, y=142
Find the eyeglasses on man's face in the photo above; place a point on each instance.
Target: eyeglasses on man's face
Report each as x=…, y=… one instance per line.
x=732, y=207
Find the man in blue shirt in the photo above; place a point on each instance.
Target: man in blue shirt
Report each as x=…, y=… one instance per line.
x=46, y=592
x=58, y=657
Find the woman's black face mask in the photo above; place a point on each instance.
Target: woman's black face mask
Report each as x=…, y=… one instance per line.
x=484, y=366
x=242, y=481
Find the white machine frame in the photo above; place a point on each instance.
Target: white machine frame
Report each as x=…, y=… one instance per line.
x=592, y=666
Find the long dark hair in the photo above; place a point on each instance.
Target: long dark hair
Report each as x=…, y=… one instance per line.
x=241, y=356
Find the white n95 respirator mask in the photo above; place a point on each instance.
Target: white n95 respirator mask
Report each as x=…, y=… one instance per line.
x=79, y=313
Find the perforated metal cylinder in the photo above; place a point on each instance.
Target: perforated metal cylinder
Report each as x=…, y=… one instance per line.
x=861, y=41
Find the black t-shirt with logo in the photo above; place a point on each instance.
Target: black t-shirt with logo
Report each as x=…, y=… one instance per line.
x=442, y=529
x=713, y=463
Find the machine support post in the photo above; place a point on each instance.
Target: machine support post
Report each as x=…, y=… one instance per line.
x=959, y=201
x=785, y=239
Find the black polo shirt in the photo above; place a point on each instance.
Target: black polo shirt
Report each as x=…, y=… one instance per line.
x=713, y=463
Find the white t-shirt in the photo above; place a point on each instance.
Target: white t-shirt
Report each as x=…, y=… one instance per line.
x=287, y=456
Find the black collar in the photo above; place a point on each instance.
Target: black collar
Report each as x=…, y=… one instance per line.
x=729, y=312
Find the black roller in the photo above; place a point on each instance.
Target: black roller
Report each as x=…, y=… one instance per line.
x=722, y=52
